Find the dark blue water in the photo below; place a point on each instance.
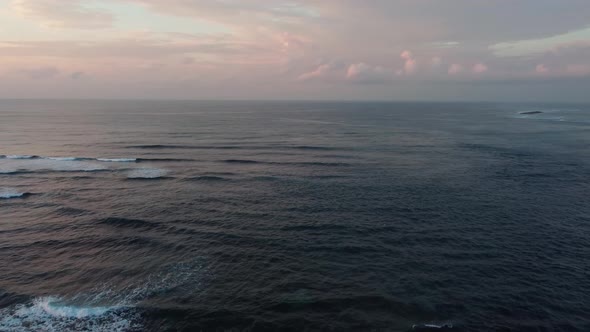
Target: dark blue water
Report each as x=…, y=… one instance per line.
x=266, y=216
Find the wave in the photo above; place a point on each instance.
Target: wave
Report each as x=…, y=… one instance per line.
x=16, y=156
x=69, y=211
x=312, y=147
x=44, y=164
x=118, y=160
x=207, y=178
x=322, y=164
x=266, y=178
x=80, y=164
x=295, y=163
x=66, y=158
x=549, y=114
x=157, y=146
x=194, y=147
x=433, y=327
x=327, y=177
x=162, y=159
x=8, y=193
x=53, y=314
x=128, y=223
x=242, y=161
x=540, y=116
x=147, y=173
x=11, y=171
x=322, y=228
x=232, y=147
x=108, y=307
x=52, y=306
x=111, y=160
x=548, y=110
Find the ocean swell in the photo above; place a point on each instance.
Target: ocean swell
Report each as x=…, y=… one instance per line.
x=8, y=193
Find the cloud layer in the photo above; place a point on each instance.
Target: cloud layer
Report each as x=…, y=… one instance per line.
x=291, y=49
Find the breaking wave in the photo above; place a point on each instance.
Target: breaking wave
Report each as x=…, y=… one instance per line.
x=110, y=160
x=8, y=193
x=53, y=314
x=65, y=158
x=106, y=308
x=45, y=164
x=294, y=163
x=117, y=160
x=433, y=327
x=550, y=114
x=15, y=156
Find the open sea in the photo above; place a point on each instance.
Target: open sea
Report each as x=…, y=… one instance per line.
x=294, y=216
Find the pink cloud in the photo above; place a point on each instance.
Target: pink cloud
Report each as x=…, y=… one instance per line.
x=436, y=61
x=455, y=69
x=364, y=73
x=290, y=41
x=578, y=69
x=410, y=62
x=541, y=69
x=479, y=68
x=320, y=72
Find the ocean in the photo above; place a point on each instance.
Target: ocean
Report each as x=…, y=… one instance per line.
x=294, y=216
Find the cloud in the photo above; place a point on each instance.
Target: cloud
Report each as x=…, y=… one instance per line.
x=578, y=69
x=77, y=75
x=553, y=43
x=145, y=46
x=40, y=73
x=63, y=13
x=455, y=69
x=321, y=72
x=247, y=14
x=252, y=44
x=541, y=69
x=424, y=21
x=410, y=62
x=479, y=68
x=361, y=73
x=436, y=61
x=364, y=73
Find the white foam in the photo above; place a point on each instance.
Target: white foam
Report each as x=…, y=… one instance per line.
x=51, y=314
x=117, y=160
x=53, y=307
x=540, y=116
x=63, y=158
x=55, y=314
x=432, y=326
x=7, y=193
x=146, y=173
x=44, y=164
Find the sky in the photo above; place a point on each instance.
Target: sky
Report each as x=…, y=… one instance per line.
x=425, y=50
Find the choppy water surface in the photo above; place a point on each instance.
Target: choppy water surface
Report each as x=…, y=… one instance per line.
x=183, y=216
